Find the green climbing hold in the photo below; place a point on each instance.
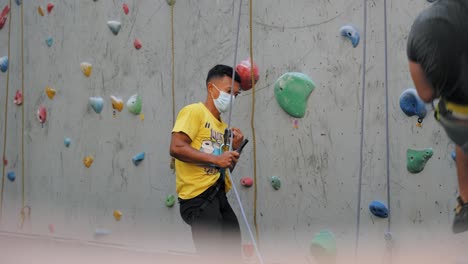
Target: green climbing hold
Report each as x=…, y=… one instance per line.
x=134, y=104
x=292, y=90
x=275, y=182
x=171, y=2
x=416, y=159
x=323, y=246
x=170, y=200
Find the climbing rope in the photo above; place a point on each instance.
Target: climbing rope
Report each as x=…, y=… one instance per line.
x=23, y=199
x=254, y=241
x=6, y=115
x=173, y=62
x=252, y=120
x=361, y=144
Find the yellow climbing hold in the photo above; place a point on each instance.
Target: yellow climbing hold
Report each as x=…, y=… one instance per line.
x=117, y=215
x=86, y=68
x=50, y=92
x=40, y=10
x=88, y=160
x=117, y=103
x=142, y=117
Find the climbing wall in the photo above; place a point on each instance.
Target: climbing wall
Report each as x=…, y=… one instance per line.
x=330, y=162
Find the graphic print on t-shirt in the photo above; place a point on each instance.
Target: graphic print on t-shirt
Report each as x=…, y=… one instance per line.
x=212, y=146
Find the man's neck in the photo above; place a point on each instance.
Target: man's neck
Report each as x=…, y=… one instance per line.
x=212, y=108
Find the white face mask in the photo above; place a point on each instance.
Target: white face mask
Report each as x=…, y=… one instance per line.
x=223, y=102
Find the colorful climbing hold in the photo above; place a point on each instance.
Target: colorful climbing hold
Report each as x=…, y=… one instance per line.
x=88, y=161
x=51, y=228
x=388, y=236
x=454, y=155
x=67, y=142
x=292, y=91
x=117, y=103
x=100, y=231
x=96, y=103
x=3, y=16
x=42, y=114
x=137, y=44
x=142, y=117
x=275, y=182
x=244, y=71
x=50, y=92
x=170, y=200
x=49, y=41
x=134, y=104
x=114, y=26
x=138, y=158
x=11, y=176
x=417, y=159
x=125, y=8
x=117, y=215
x=411, y=104
x=4, y=63
x=19, y=2
x=50, y=6
x=378, y=209
x=5, y=161
x=86, y=68
x=246, y=181
x=40, y=10
x=351, y=33
x=323, y=245
x=248, y=250
x=171, y=2
x=296, y=123
x=18, y=98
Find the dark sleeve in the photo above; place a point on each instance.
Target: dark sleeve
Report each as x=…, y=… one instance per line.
x=433, y=43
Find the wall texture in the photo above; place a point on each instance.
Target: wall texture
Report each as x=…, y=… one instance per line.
x=318, y=162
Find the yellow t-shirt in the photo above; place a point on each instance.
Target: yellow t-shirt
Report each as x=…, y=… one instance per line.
x=207, y=135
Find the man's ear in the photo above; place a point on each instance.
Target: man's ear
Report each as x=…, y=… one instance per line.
x=425, y=90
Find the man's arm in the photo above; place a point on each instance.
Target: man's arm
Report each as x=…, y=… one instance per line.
x=180, y=149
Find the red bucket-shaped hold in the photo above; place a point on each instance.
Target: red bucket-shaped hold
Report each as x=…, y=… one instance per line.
x=246, y=181
x=243, y=69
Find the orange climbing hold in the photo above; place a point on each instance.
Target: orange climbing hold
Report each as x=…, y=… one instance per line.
x=117, y=103
x=86, y=68
x=117, y=215
x=50, y=92
x=40, y=10
x=88, y=160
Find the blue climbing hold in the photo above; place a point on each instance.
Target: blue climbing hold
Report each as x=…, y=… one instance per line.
x=138, y=158
x=351, y=33
x=11, y=176
x=378, y=209
x=67, y=142
x=19, y=2
x=4, y=63
x=454, y=155
x=49, y=41
x=97, y=103
x=411, y=104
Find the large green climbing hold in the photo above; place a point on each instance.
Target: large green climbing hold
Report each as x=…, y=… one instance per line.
x=134, y=104
x=292, y=90
x=323, y=246
x=416, y=159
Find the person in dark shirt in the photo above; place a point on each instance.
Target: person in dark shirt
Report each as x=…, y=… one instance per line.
x=437, y=51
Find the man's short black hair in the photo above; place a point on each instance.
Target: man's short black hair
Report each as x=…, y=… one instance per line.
x=219, y=71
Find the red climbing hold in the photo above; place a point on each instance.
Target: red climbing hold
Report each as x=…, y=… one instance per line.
x=246, y=181
x=50, y=6
x=243, y=69
x=125, y=8
x=3, y=16
x=5, y=161
x=248, y=250
x=137, y=44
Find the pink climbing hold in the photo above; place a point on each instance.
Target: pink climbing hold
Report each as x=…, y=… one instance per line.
x=125, y=8
x=243, y=69
x=42, y=114
x=18, y=98
x=246, y=181
x=248, y=250
x=3, y=16
x=137, y=44
x=50, y=6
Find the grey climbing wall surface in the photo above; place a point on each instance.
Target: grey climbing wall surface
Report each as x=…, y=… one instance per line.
x=317, y=157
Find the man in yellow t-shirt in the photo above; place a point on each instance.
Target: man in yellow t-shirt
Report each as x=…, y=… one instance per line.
x=201, y=166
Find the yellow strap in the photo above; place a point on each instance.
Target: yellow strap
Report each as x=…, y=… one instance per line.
x=456, y=108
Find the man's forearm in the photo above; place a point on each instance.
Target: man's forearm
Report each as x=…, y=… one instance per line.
x=191, y=155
